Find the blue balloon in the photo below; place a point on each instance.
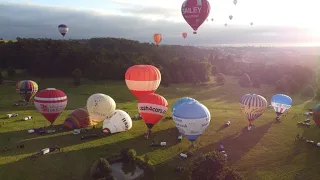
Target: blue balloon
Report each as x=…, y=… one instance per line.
x=191, y=119
x=181, y=101
x=281, y=103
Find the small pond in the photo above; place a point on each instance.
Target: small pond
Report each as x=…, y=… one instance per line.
x=125, y=171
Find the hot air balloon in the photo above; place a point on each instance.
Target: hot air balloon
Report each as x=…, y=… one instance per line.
x=316, y=115
x=77, y=119
x=230, y=17
x=253, y=106
x=225, y=24
x=63, y=29
x=212, y=19
x=51, y=103
x=184, y=35
x=251, y=23
x=195, y=12
x=119, y=122
x=181, y=101
x=157, y=38
x=281, y=103
x=235, y=2
x=152, y=107
x=142, y=79
x=100, y=107
x=191, y=118
x=27, y=89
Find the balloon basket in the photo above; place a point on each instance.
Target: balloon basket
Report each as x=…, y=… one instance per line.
x=194, y=32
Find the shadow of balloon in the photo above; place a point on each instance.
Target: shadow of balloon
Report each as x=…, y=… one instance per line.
x=236, y=146
x=75, y=164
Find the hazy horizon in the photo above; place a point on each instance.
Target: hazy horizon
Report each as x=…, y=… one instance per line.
x=140, y=19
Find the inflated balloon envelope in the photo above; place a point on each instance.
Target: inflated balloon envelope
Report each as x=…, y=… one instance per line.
x=100, y=107
x=192, y=119
x=119, y=122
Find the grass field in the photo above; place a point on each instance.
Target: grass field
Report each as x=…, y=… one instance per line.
x=267, y=152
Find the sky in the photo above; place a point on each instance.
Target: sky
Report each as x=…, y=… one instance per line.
x=274, y=21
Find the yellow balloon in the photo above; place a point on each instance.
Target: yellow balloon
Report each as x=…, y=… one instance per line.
x=100, y=107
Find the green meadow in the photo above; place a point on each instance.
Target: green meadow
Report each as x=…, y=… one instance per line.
x=269, y=151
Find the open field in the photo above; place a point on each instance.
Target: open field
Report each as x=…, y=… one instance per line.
x=267, y=152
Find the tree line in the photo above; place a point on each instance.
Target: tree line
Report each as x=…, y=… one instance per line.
x=109, y=58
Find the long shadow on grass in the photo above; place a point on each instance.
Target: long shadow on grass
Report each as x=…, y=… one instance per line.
x=312, y=153
x=33, y=144
x=236, y=146
x=75, y=164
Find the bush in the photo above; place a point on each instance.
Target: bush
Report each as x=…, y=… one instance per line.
x=1, y=77
x=256, y=83
x=221, y=79
x=233, y=175
x=245, y=80
x=307, y=91
x=76, y=75
x=101, y=169
x=146, y=158
x=215, y=70
x=128, y=154
x=11, y=72
x=209, y=166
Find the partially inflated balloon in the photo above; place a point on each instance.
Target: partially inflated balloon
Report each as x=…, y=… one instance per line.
x=51, y=103
x=63, y=29
x=316, y=115
x=191, y=119
x=181, y=101
x=253, y=106
x=195, y=12
x=184, y=35
x=27, y=89
x=119, y=122
x=152, y=107
x=281, y=103
x=100, y=107
x=78, y=118
x=157, y=38
x=142, y=79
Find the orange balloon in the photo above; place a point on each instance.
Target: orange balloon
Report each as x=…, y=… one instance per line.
x=157, y=38
x=142, y=79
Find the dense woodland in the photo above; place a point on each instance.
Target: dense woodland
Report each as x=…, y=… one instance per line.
x=109, y=58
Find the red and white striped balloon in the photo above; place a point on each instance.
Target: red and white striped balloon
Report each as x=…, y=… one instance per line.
x=50, y=103
x=142, y=79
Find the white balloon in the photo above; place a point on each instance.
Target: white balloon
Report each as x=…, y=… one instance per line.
x=119, y=122
x=100, y=107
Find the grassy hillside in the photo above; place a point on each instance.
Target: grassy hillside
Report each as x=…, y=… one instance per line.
x=267, y=152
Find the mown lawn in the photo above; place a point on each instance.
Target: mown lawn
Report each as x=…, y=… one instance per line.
x=267, y=152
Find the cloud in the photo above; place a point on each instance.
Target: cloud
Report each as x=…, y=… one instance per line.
x=35, y=21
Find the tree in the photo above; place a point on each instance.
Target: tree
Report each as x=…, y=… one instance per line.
x=245, y=80
x=256, y=83
x=100, y=169
x=210, y=166
x=214, y=70
x=220, y=79
x=76, y=75
x=307, y=91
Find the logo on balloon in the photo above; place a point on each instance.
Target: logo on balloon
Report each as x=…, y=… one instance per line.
x=44, y=108
x=194, y=12
x=153, y=109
